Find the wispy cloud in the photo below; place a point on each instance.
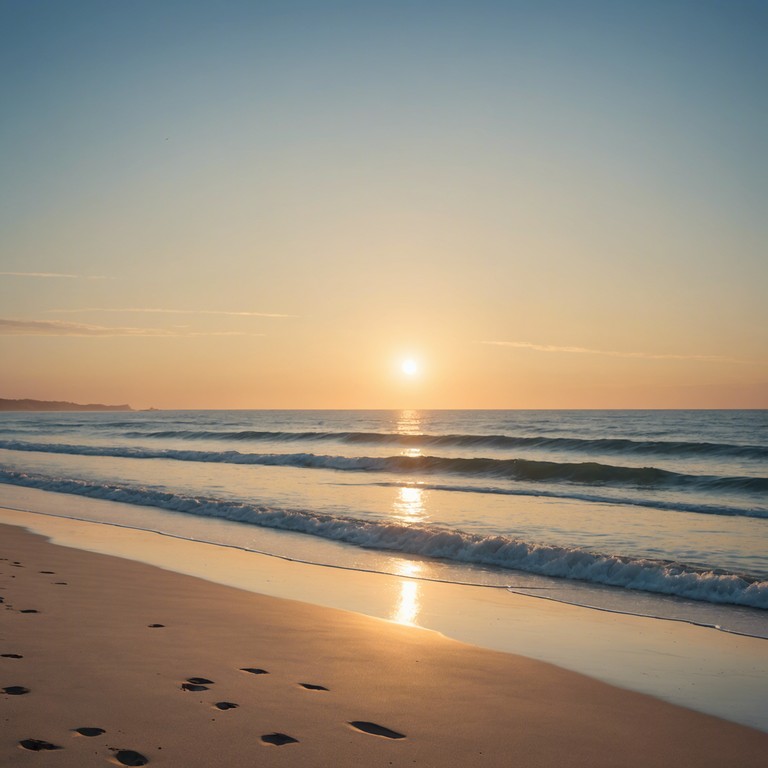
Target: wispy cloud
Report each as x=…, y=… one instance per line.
x=150, y=310
x=612, y=353
x=10, y=327
x=54, y=274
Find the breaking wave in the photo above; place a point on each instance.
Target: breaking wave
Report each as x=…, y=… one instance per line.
x=657, y=576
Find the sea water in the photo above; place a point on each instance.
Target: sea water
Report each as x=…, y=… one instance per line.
x=660, y=513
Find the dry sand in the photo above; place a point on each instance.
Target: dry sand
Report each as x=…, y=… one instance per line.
x=89, y=657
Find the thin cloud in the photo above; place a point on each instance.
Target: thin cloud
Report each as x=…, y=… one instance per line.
x=54, y=274
x=612, y=353
x=10, y=327
x=150, y=310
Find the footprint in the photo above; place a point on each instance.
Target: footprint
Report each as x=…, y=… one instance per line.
x=37, y=745
x=312, y=687
x=155, y=626
x=375, y=729
x=129, y=757
x=200, y=681
x=193, y=687
x=11, y=655
x=225, y=705
x=278, y=739
x=15, y=690
x=254, y=670
x=89, y=731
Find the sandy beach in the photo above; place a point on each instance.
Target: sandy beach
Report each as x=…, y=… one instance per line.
x=81, y=649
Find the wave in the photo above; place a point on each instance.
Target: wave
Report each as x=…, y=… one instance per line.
x=590, y=473
x=593, y=445
x=645, y=574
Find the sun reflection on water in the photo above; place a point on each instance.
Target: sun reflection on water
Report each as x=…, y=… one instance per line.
x=408, y=423
x=408, y=505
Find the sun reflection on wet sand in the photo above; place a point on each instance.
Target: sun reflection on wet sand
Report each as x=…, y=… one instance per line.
x=408, y=604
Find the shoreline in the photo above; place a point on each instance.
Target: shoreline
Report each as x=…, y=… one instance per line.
x=90, y=658
x=699, y=668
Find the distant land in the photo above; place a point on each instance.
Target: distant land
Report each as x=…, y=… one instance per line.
x=56, y=405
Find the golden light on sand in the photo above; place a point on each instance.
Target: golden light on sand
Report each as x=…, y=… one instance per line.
x=408, y=603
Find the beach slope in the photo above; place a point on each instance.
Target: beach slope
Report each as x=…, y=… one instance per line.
x=113, y=661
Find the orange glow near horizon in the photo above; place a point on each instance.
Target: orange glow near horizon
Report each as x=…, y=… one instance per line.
x=346, y=215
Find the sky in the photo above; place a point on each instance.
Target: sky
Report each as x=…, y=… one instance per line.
x=230, y=204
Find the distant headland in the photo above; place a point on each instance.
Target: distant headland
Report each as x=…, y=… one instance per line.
x=56, y=405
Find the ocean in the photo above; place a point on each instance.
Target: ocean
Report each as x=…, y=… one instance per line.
x=657, y=513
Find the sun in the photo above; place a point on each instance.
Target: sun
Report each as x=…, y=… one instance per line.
x=409, y=367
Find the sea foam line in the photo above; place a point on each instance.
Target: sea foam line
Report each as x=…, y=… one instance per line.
x=661, y=577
